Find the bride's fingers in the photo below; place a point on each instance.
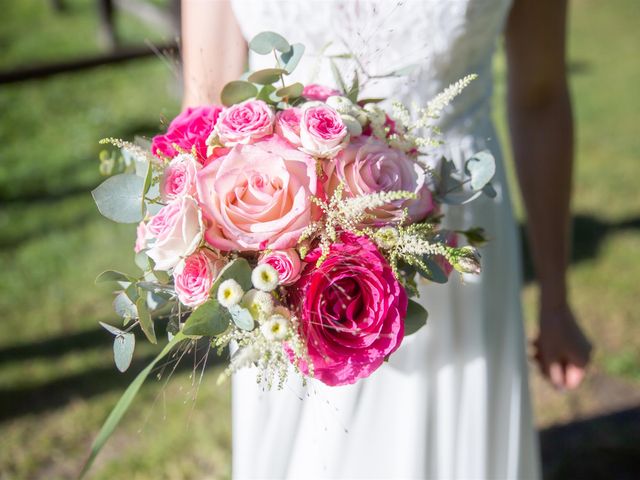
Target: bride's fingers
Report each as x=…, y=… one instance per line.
x=556, y=375
x=574, y=375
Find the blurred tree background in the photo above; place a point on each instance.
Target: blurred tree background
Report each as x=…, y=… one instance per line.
x=57, y=379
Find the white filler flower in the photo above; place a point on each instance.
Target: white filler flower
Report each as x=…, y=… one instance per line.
x=229, y=293
x=276, y=328
x=264, y=277
x=258, y=302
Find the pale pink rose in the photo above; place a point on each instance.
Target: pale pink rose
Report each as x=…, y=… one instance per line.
x=286, y=262
x=244, y=123
x=189, y=129
x=257, y=197
x=141, y=237
x=174, y=232
x=288, y=125
x=179, y=177
x=194, y=276
x=313, y=91
x=369, y=165
x=322, y=131
x=351, y=309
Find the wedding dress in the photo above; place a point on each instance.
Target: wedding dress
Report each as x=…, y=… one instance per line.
x=453, y=401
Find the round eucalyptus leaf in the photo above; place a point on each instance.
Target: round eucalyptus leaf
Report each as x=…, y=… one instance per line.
x=481, y=167
x=111, y=329
x=265, y=42
x=120, y=198
x=237, y=91
x=265, y=93
x=123, y=346
x=208, y=320
x=290, y=91
x=124, y=307
x=291, y=58
x=241, y=317
x=266, y=76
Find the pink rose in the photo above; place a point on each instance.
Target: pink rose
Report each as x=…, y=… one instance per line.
x=194, y=277
x=286, y=262
x=314, y=91
x=257, y=197
x=141, y=237
x=179, y=177
x=174, y=232
x=245, y=123
x=288, y=125
x=190, y=128
x=322, y=131
x=369, y=165
x=351, y=310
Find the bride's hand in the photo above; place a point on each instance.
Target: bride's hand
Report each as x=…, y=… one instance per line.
x=562, y=350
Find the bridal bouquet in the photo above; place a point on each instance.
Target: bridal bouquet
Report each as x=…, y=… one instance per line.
x=290, y=222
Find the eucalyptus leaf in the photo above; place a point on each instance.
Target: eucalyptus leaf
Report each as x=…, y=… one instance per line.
x=290, y=91
x=155, y=300
x=147, y=179
x=265, y=94
x=123, y=346
x=364, y=101
x=143, y=261
x=208, y=320
x=481, y=167
x=434, y=273
x=111, y=329
x=416, y=318
x=291, y=58
x=237, y=92
x=146, y=322
x=337, y=76
x=489, y=191
x=113, y=276
x=265, y=42
x=239, y=270
x=120, y=198
x=241, y=317
x=124, y=307
x=354, y=90
x=266, y=76
x=123, y=405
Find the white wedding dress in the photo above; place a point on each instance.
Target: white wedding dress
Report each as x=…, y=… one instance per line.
x=453, y=401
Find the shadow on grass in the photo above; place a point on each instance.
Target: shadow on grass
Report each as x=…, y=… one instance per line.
x=601, y=448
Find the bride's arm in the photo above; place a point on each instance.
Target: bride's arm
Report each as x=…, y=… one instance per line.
x=213, y=50
x=542, y=137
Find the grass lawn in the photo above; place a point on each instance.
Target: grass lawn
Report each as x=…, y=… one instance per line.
x=57, y=380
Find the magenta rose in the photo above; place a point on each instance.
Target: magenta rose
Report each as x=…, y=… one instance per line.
x=322, y=131
x=244, y=123
x=174, y=232
x=288, y=125
x=286, y=262
x=369, y=165
x=351, y=310
x=179, y=178
x=190, y=128
x=257, y=196
x=313, y=91
x=194, y=277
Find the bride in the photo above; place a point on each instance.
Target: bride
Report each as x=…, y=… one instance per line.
x=453, y=402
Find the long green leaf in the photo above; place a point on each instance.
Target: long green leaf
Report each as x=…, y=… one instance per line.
x=123, y=405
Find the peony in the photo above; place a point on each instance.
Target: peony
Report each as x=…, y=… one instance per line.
x=257, y=196
x=194, y=276
x=351, y=310
x=175, y=232
x=314, y=91
x=244, y=123
x=190, y=128
x=288, y=125
x=179, y=177
x=322, y=131
x=286, y=262
x=369, y=165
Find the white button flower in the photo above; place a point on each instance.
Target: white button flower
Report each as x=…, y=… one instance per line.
x=258, y=303
x=264, y=277
x=276, y=328
x=229, y=293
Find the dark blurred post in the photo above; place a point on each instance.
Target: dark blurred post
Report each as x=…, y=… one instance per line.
x=107, y=33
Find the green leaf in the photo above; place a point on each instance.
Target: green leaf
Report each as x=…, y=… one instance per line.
x=123, y=346
x=290, y=91
x=434, y=273
x=237, y=92
x=120, y=198
x=143, y=261
x=481, y=167
x=364, y=101
x=124, y=307
x=241, y=317
x=416, y=318
x=337, y=76
x=266, y=76
x=146, y=322
x=113, y=276
x=111, y=329
x=291, y=58
x=208, y=320
x=238, y=269
x=265, y=42
x=265, y=94
x=353, y=92
x=147, y=179
x=123, y=405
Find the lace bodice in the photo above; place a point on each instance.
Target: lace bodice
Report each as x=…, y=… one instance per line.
x=444, y=39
